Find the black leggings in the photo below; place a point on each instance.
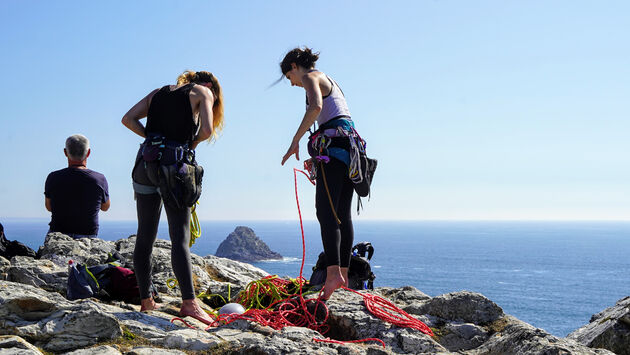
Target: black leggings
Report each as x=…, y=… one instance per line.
x=149, y=207
x=337, y=239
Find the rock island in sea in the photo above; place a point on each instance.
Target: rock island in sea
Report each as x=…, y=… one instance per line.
x=244, y=245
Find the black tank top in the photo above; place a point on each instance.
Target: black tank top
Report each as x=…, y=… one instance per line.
x=171, y=115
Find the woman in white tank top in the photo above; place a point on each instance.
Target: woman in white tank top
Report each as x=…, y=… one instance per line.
x=327, y=106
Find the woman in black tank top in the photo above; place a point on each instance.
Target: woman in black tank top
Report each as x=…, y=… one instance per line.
x=185, y=114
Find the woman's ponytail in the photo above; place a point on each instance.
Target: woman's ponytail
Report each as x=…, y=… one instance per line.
x=187, y=77
x=190, y=76
x=303, y=57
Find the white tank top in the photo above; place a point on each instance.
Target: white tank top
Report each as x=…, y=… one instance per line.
x=334, y=104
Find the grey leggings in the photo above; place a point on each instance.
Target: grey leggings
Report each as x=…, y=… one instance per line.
x=149, y=207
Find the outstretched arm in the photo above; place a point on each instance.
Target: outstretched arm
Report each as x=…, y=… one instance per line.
x=314, y=94
x=139, y=111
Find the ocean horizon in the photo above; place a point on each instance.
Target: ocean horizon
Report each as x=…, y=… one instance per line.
x=551, y=274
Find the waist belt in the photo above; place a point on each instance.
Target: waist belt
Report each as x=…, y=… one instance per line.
x=166, y=152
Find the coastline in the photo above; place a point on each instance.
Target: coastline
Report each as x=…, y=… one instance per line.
x=532, y=273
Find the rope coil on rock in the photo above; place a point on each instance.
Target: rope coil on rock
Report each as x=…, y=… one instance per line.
x=278, y=303
x=387, y=311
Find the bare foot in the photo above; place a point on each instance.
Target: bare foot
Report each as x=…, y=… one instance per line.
x=334, y=280
x=344, y=273
x=148, y=304
x=190, y=308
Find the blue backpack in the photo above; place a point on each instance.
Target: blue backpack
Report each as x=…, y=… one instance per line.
x=106, y=281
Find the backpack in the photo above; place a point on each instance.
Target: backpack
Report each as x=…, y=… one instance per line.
x=106, y=281
x=360, y=273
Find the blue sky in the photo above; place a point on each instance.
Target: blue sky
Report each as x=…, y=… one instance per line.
x=475, y=110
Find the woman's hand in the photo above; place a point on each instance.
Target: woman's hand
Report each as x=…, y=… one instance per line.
x=293, y=149
x=308, y=164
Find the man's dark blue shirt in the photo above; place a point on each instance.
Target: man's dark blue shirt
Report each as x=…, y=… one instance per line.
x=76, y=196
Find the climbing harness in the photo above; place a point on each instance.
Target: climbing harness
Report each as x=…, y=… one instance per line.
x=170, y=166
x=339, y=139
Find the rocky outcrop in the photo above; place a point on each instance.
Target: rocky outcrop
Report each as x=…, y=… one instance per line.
x=36, y=318
x=244, y=245
x=50, y=272
x=464, y=306
x=608, y=329
x=14, y=345
x=11, y=248
x=514, y=337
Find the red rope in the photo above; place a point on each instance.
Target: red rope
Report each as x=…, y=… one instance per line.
x=183, y=321
x=387, y=311
x=298, y=312
x=291, y=311
x=297, y=200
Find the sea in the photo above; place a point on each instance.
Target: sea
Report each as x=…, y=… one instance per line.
x=554, y=274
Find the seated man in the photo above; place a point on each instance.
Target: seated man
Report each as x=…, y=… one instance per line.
x=75, y=194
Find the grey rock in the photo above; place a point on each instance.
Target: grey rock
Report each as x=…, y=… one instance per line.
x=403, y=296
x=80, y=326
x=290, y=340
x=153, y=326
x=4, y=262
x=96, y=350
x=189, y=339
x=85, y=251
x=42, y=273
x=350, y=320
x=154, y=351
x=14, y=345
x=22, y=304
x=49, y=320
x=608, y=329
x=231, y=271
x=518, y=337
x=463, y=336
x=244, y=245
x=463, y=306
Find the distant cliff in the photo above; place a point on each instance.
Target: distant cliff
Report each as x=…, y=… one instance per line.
x=244, y=245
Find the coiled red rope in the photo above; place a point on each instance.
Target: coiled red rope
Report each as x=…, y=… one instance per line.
x=387, y=311
x=294, y=310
